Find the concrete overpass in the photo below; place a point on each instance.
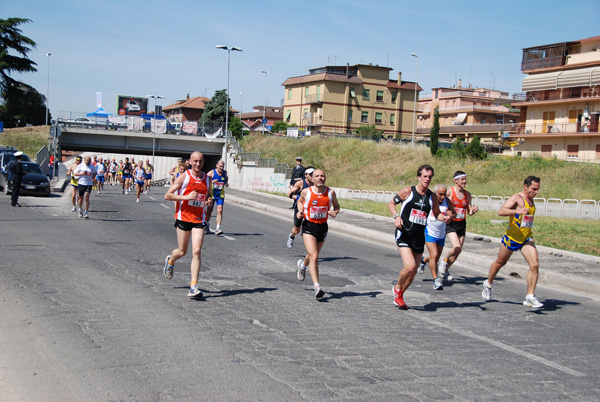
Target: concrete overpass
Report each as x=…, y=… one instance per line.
x=81, y=139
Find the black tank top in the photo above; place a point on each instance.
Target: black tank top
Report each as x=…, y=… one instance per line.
x=414, y=212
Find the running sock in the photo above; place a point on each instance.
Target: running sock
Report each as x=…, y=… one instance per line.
x=317, y=285
x=218, y=227
x=291, y=237
x=192, y=284
x=171, y=262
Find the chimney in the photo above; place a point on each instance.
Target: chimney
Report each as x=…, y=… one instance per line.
x=460, y=83
x=188, y=96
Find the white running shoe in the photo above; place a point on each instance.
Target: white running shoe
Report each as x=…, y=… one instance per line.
x=448, y=277
x=290, y=242
x=85, y=215
x=74, y=209
x=437, y=284
x=442, y=266
x=532, y=301
x=486, y=293
x=218, y=232
x=195, y=292
x=80, y=214
x=301, y=270
x=319, y=292
x=421, y=266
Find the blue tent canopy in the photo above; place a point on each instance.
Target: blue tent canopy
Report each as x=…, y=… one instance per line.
x=99, y=113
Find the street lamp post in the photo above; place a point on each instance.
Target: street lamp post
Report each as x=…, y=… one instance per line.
x=265, y=104
x=241, y=107
x=155, y=97
x=48, y=88
x=229, y=49
x=415, y=101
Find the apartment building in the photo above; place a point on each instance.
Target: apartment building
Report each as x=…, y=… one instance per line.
x=466, y=112
x=189, y=109
x=253, y=121
x=562, y=104
x=340, y=99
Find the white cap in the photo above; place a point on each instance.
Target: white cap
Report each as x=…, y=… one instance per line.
x=18, y=153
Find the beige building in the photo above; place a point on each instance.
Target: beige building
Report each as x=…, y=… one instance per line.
x=466, y=112
x=340, y=99
x=562, y=104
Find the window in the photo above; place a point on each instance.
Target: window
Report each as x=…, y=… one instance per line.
x=287, y=115
x=289, y=94
x=435, y=94
x=318, y=93
x=392, y=117
x=365, y=94
x=394, y=96
x=349, y=115
x=546, y=151
x=482, y=121
x=305, y=113
x=364, y=118
x=597, y=151
x=378, y=117
x=352, y=93
x=572, y=151
x=306, y=92
x=379, y=96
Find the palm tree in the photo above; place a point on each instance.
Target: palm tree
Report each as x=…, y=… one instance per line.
x=13, y=41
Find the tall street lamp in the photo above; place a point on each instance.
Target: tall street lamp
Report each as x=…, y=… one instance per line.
x=155, y=97
x=241, y=107
x=48, y=88
x=415, y=101
x=265, y=104
x=229, y=49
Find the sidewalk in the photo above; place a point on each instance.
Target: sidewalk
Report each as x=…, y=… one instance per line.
x=560, y=269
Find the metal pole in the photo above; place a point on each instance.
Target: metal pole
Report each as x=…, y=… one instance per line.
x=48, y=88
x=265, y=103
x=415, y=101
x=227, y=110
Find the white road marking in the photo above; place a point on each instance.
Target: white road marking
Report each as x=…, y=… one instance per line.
x=501, y=345
x=227, y=237
x=152, y=198
x=166, y=206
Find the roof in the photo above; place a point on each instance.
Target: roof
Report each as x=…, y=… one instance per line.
x=321, y=77
x=404, y=85
x=197, y=102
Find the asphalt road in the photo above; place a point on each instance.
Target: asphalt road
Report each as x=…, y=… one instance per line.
x=87, y=315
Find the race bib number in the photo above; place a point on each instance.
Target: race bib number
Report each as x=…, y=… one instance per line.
x=198, y=202
x=460, y=213
x=218, y=186
x=318, y=212
x=418, y=217
x=527, y=221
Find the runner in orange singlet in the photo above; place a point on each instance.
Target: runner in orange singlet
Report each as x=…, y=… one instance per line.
x=315, y=204
x=457, y=228
x=191, y=192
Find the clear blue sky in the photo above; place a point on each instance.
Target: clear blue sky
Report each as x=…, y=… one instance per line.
x=167, y=48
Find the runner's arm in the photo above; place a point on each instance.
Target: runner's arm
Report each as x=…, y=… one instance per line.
x=471, y=208
x=398, y=199
x=513, y=206
x=170, y=194
x=300, y=203
x=334, y=204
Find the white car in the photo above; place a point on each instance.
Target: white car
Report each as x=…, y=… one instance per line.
x=132, y=106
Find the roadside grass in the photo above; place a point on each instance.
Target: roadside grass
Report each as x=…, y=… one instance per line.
x=578, y=235
x=27, y=139
x=367, y=165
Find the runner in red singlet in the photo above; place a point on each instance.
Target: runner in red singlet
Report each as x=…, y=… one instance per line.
x=457, y=228
x=191, y=192
x=315, y=205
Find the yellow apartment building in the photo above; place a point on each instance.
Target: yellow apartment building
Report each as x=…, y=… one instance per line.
x=339, y=99
x=559, y=116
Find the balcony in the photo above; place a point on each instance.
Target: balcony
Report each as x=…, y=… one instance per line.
x=478, y=108
x=311, y=99
x=557, y=128
x=538, y=64
x=564, y=94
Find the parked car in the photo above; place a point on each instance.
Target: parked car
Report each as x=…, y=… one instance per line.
x=35, y=182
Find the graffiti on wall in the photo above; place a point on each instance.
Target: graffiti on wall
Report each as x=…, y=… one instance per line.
x=272, y=181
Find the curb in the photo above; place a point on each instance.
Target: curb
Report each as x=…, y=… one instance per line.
x=467, y=259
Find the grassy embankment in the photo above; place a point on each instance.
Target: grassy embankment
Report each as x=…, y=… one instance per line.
x=367, y=165
x=27, y=139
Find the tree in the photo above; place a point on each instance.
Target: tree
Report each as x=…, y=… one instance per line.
x=280, y=127
x=434, y=134
x=215, y=108
x=458, y=149
x=475, y=150
x=369, y=132
x=22, y=105
x=235, y=126
x=12, y=41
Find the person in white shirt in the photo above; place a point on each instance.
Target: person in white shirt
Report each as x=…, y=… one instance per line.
x=85, y=172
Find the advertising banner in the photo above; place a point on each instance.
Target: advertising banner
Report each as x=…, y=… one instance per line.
x=98, y=99
x=131, y=105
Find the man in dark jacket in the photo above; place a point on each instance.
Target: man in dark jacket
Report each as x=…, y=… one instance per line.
x=298, y=171
x=16, y=176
